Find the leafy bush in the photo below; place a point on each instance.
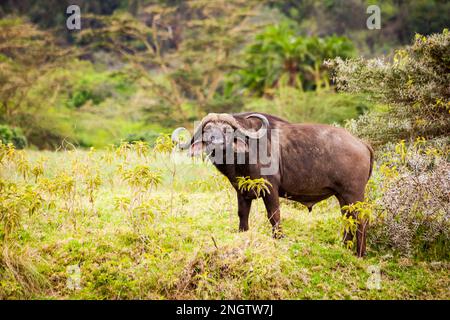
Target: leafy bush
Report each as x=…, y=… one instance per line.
x=414, y=86
x=410, y=193
x=28, y=91
x=12, y=135
x=96, y=86
x=279, y=55
x=147, y=136
x=413, y=202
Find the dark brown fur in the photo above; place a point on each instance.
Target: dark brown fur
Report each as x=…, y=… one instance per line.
x=317, y=161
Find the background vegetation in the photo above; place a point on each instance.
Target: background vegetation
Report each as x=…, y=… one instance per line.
x=96, y=187
x=138, y=226
x=140, y=67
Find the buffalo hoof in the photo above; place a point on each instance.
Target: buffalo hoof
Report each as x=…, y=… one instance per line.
x=361, y=254
x=278, y=234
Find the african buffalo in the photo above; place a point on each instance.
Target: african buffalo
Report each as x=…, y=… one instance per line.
x=313, y=162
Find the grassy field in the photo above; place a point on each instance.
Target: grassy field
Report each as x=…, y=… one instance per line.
x=123, y=224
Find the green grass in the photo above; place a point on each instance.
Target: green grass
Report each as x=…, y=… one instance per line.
x=190, y=249
x=311, y=106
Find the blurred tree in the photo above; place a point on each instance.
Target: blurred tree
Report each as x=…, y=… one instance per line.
x=401, y=19
x=415, y=86
x=278, y=56
x=12, y=135
x=27, y=55
x=324, y=18
x=51, y=14
x=188, y=48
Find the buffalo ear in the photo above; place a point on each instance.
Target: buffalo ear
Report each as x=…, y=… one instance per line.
x=240, y=146
x=196, y=148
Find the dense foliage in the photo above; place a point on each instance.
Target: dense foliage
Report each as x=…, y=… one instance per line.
x=28, y=59
x=128, y=223
x=147, y=66
x=400, y=20
x=410, y=209
x=280, y=56
x=12, y=135
x=414, y=86
x=411, y=203
x=139, y=222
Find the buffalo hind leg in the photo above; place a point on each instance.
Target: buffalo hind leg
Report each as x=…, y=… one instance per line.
x=271, y=201
x=244, y=206
x=361, y=227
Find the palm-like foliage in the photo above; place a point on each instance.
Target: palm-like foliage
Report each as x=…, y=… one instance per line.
x=258, y=186
x=278, y=56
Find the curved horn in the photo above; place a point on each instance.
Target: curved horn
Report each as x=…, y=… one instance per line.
x=228, y=118
x=212, y=117
x=175, y=138
x=261, y=132
x=225, y=117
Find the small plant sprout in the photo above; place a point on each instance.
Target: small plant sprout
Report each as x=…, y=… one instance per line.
x=258, y=186
x=165, y=145
x=402, y=151
x=7, y=152
x=141, y=148
x=122, y=151
x=108, y=155
x=38, y=169
x=360, y=212
x=15, y=201
x=22, y=164
x=93, y=182
x=142, y=177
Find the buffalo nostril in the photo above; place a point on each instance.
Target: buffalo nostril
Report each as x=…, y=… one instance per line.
x=215, y=139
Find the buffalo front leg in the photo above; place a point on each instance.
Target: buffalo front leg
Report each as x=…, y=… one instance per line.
x=271, y=201
x=244, y=206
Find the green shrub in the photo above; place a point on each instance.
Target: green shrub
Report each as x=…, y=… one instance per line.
x=147, y=136
x=280, y=56
x=96, y=87
x=12, y=135
x=414, y=86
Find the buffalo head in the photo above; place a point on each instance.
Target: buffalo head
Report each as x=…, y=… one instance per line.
x=222, y=133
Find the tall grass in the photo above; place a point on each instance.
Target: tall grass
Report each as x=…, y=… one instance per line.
x=136, y=230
